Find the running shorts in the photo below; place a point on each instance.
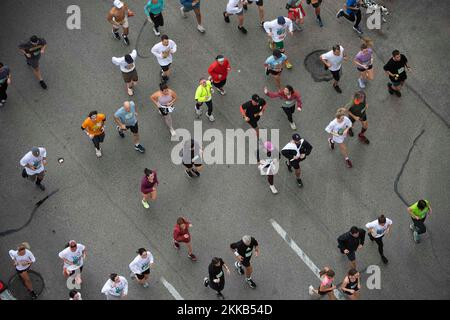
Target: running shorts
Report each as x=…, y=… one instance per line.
x=130, y=76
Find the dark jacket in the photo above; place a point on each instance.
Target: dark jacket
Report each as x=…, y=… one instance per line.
x=347, y=241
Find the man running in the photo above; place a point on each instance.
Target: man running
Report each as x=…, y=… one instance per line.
x=290, y=98
x=419, y=211
x=191, y=156
x=94, y=127
x=73, y=256
x=260, y=4
x=5, y=80
x=316, y=5
x=235, y=7
x=376, y=230
x=252, y=111
x=126, y=118
x=352, y=13
x=277, y=31
x=118, y=17
x=357, y=112
x=395, y=69
x=218, y=71
x=243, y=251
x=32, y=50
x=164, y=101
x=274, y=66
x=189, y=5
x=116, y=287
x=296, y=151
x=140, y=266
x=350, y=242
x=203, y=94
x=128, y=67
x=33, y=164
x=333, y=61
x=163, y=51
x=338, y=130
x=216, y=279
x=23, y=259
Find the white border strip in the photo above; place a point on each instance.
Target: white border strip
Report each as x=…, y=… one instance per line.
x=171, y=289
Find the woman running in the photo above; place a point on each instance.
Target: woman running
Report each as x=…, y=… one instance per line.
x=149, y=182
x=216, y=278
x=296, y=13
x=364, y=62
x=164, y=100
x=23, y=258
x=153, y=10
x=181, y=234
x=338, y=129
x=269, y=164
x=290, y=97
x=352, y=284
x=140, y=266
x=326, y=284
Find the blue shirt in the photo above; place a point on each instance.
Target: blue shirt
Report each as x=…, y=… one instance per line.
x=351, y=3
x=154, y=8
x=276, y=63
x=127, y=118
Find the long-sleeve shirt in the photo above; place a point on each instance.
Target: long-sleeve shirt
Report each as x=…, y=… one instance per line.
x=154, y=8
x=216, y=69
x=278, y=31
x=347, y=241
x=124, y=66
x=114, y=289
x=158, y=50
x=139, y=265
x=178, y=233
x=287, y=101
x=204, y=93
x=147, y=186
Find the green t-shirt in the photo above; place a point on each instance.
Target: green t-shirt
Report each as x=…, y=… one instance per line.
x=420, y=213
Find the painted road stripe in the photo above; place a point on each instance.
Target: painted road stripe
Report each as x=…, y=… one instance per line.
x=301, y=254
x=171, y=289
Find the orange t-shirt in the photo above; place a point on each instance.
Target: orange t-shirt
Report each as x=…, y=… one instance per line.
x=94, y=127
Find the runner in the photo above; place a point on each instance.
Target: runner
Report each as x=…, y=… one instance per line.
x=268, y=165
x=33, y=164
x=352, y=284
x=203, y=94
x=118, y=17
x=338, y=129
x=419, y=211
x=274, y=66
x=357, y=112
x=73, y=256
x=164, y=100
x=128, y=67
x=277, y=31
x=260, y=4
x=243, y=251
x=191, y=155
x=296, y=13
x=5, y=80
x=316, y=5
x=377, y=230
x=395, y=69
x=75, y=295
x=333, y=61
x=126, y=118
x=94, y=127
x=290, y=98
x=252, y=111
x=326, y=284
x=218, y=71
x=163, y=51
x=235, y=7
x=181, y=234
x=149, y=182
x=153, y=10
x=32, y=50
x=22, y=259
x=364, y=63
x=116, y=287
x=296, y=151
x=189, y=5
x=216, y=280
x=140, y=266
x=350, y=242
x=352, y=13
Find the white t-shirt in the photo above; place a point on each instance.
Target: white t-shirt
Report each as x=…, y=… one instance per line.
x=75, y=257
x=139, y=265
x=30, y=159
x=116, y=289
x=124, y=66
x=22, y=260
x=335, y=61
x=158, y=50
x=235, y=6
x=378, y=230
x=334, y=126
x=279, y=32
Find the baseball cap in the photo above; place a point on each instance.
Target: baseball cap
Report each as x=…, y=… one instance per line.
x=281, y=20
x=118, y=4
x=220, y=58
x=255, y=98
x=34, y=39
x=296, y=137
x=128, y=59
x=35, y=151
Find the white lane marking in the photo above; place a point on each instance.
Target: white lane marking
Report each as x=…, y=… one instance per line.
x=301, y=254
x=171, y=289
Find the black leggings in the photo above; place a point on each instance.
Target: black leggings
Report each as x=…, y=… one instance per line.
x=289, y=112
x=208, y=103
x=351, y=17
x=419, y=225
x=3, y=87
x=270, y=179
x=97, y=139
x=379, y=242
x=157, y=19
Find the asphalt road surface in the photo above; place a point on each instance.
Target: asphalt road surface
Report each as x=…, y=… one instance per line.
x=97, y=201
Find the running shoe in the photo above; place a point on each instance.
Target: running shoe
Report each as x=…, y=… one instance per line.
x=33, y=295
x=300, y=182
x=311, y=290
x=220, y=295
x=139, y=148
x=188, y=173
x=411, y=226
x=340, y=13
x=98, y=153
x=116, y=35
x=145, y=204
x=156, y=32
x=40, y=186
x=206, y=281
x=120, y=132
x=125, y=40
x=198, y=111
x=242, y=29
x=331, y=144
x=145, y=285
x=358, y=30
x=222, y=91
x=319, y=21
x=273, y=189
x=288, y=65
x=397, y=93
x=239, y=268
x=416, y=237
x=183, y=14
x=338, y=89
x=43, y=84
x=192, y=257
x=289, y=167
x=173, y=133
x=293, y=126
x=196, y=172
x=363, y=138
x=349, y=163
x=251, y=283
x=200, y=28
x=225, y=17
x=211, y=117
x=361, y=83
x=389, y=85
x=245, y=7
x=130, y=91
x=176, y=245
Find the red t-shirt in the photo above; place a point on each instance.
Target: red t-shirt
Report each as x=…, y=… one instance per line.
x=178, y=233
x=216, y=69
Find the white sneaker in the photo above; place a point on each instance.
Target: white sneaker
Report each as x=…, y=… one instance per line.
x=311, y=290
x=98, y=153
x=198, y=111
x=361, y=83
x=156, y=32
x=172, y=132
x=293, y=126
x=183, y=14
x=145, y=285
x=222, y=92
x=130, y=91
x=274, y=190
x=211, y=117
x=200, y=28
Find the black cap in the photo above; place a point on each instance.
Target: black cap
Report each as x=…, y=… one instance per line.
x=296, y=137
x=128, y=59
x=34, y=39
x=255, y=98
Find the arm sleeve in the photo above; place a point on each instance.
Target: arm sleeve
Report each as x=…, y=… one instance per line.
x=125, y=288
x=174, y=48
x=273, y=94
x=342, y=242
x=150, y=256
x=32, y=257
x=105, y=287
x=267, y=26
x=299, y=99
x=12, y=254
x=362, y=236
x=133, y=267
x=234, y=246
x=43, y=152
x=176, y=234
x=147, y=9
x=154, y=51
x=254, y=242
x=198, y=93
x=23, y=161
x=133, y=54
x=306, y=148
x=115, y=61
x=329, y=128
x=61, y=254
x=289, y=154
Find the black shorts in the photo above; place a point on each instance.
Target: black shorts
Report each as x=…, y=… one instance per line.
x=272, y=72
x=295, y=164
x=142, y=275
x=246, y=262
x=253, y=122
x=33, y=62
x=220, y=84
x=164, y=111
x=22, y=271
x=259, y=3
x=336, y=74
x=189, y=166
x=350, y=294
x=323, y=293
x=316, y=5
x=362, y=70
x=351, y=256
x=165, y=68
x=134, y=129
x=362, y=118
